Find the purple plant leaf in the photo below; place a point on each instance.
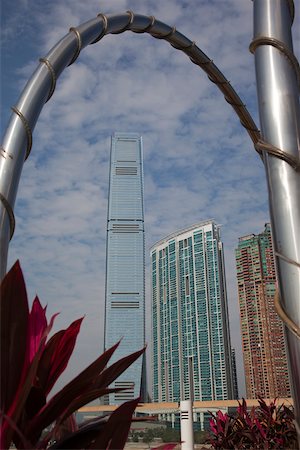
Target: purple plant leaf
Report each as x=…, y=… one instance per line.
x=86, y=398
x=45, y=361
x=21, y=396
x=116, y=369
x=83, y=437
x=36, y=327
x=115, y=433
x=61, y=354
x=14, y=324
x=81, y=384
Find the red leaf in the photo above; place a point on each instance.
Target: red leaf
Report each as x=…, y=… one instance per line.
x=82, y=438
x=21, y=396
x=61, y=353
x=116, y=369
x=46, y=358
x=115, y=433
x=213, y=427
x=85, y=398
x=36, y=327
x=14, y=323
x=84, y=381
x=67, y=427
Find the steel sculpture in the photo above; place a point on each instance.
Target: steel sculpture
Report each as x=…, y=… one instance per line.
x=277, y=76
x=278, y=82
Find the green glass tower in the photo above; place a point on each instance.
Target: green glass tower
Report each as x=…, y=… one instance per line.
x=191, y=340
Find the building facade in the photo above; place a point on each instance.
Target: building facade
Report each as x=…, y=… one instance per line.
x=234, y=375
x=191, y=341
x=125, y=263
x=264, y=351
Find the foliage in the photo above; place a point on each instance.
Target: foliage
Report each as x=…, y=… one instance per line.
x=200, y=437
x=265, y=427
x=30, y=366
x=169, y=436
x=148, y=436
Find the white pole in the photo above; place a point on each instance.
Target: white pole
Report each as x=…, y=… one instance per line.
x=186, y=425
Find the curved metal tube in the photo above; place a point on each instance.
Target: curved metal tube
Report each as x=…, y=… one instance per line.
x=40, y=87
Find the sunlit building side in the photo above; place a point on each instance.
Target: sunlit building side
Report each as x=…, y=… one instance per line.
x=191, y=341
x=263, y=343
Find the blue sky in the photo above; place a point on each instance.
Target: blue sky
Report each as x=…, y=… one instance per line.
x=198, y=161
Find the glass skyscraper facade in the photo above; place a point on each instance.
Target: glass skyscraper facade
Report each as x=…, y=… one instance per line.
x=191, y=341
x=125, y=263
x=265, y=359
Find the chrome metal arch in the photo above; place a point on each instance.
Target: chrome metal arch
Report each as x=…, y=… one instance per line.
x=40, y=87
x=17, y=141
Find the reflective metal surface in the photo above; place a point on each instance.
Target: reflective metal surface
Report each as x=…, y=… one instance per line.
x=277, y=89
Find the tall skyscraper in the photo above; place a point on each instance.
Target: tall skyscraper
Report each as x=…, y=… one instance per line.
x=125, y=262
x=264, y=351
x=191, y=340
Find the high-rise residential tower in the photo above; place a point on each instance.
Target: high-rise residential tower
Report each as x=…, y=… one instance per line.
x=265, y=360
x=125, y=263
x=191, y=341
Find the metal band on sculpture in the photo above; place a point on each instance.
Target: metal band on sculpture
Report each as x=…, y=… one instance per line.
x=188, y=47
x=127, y=26
x=104, y=30
x=264, y=40
x=148, y=27
x=262, y=146
x=214, y=80
x=27, y=129
x=291, y=325
x=288, y=260
x=53, y=76
x=165, y=36
x=10, y=213
x=79, y=45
